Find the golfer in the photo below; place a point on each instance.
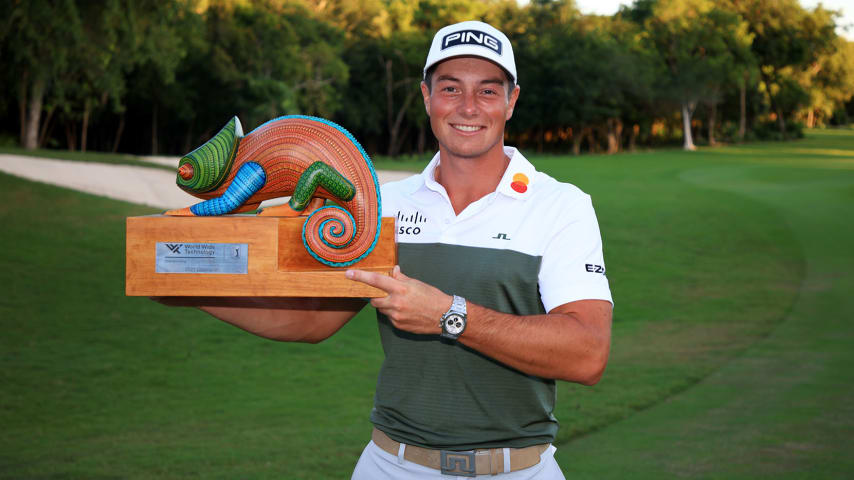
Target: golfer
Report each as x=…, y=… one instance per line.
x=500, y=289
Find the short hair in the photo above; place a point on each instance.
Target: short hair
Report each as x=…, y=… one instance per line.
x=428, y=79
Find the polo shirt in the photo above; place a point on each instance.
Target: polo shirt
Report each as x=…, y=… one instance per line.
x=531, y=245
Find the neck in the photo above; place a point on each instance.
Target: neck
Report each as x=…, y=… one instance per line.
x=469, y=179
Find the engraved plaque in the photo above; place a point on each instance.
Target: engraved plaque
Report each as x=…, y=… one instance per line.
x=178, y=257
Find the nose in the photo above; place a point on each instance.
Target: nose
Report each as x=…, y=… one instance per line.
x=468, y=107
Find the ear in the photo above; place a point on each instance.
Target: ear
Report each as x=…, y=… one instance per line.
x=425, y=92
x=511, y=105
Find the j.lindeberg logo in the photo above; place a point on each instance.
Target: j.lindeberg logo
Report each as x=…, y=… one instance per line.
x=472, y=37
x=175, y=247
x=407, y=224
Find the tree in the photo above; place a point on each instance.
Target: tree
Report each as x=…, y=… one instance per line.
x=40, y=38
x=270, y=59
x=787, y=39
x=700, y=44
x=829, y=82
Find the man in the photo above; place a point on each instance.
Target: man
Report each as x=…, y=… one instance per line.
x=480, y=223
x=499, y=291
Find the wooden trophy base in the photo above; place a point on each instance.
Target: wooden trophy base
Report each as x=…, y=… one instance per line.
x=240, y=256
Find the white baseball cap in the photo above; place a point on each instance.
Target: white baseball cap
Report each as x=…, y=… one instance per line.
x=472, y=38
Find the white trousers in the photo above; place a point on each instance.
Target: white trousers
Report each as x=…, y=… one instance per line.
x=377, y=464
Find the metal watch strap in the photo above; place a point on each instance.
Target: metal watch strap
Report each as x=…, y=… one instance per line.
x=457, y=310
x=458, y=305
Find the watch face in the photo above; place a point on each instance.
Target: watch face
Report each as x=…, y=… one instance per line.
x=455, y=323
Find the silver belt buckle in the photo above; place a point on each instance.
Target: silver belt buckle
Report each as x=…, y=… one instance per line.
x=457, y=463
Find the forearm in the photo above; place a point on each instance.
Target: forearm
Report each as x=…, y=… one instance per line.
x=284, y=319
x=571, y=343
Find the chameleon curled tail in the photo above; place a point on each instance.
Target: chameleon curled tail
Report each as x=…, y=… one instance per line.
x=308, y=158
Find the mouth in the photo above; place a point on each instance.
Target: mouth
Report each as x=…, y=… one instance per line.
x=466, y=128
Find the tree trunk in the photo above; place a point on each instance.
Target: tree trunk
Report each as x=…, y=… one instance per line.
x=154, y=128
x=422, y=138
x=46, y=126
x=22, y=105
x=615, y=133
x=389, y=105
x=687, y=110
x=634, y=137
x=84, y=130
x=31, y=136
x=396, y=138
x=119, y=130
x=781, y=122
x=811, y=118
x=742, y=98
x=591, y=140
x=71, y=135
x=577, y=138
x=713, y=113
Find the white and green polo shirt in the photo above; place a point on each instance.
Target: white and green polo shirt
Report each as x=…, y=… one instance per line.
x=531, y=245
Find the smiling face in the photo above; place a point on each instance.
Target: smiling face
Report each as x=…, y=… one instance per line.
x=468, y=106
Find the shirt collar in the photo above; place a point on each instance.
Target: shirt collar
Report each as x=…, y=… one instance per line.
x=515, y=183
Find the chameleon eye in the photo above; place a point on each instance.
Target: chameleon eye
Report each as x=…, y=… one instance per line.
x=186, y=171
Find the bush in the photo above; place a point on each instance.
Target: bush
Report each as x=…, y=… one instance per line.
x=7, y=140
x=769, y=130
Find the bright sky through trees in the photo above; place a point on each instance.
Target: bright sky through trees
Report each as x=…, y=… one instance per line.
x=610, y=7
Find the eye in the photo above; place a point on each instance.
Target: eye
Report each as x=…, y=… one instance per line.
x=186, y=171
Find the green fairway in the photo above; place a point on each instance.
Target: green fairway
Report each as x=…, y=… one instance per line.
x=731, y=356
x=785, y=407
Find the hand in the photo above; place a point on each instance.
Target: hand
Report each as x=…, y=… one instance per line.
x=411, y=305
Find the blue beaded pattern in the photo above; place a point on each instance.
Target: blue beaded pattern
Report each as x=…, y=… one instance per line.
x=248, y=181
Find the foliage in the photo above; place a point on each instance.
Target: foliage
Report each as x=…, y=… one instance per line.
x=700, y=46
x=787, y=40
x=152, y=77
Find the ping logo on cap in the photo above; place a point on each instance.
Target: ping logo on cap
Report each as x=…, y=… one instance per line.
x=472, y=37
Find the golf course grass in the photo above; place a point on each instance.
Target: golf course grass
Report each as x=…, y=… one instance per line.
x=731, y=356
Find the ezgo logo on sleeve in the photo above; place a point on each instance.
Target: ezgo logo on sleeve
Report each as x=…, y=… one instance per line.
x=594, y=268
x=472, y=37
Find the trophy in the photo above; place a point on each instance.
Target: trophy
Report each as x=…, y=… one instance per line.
x=301, y=248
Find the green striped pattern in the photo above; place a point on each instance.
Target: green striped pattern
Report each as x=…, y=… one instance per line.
x=319, y=174
x=212, y=161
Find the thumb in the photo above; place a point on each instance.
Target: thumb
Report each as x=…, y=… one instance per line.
x=397, y=274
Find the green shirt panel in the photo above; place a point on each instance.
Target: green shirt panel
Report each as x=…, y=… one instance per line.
x=439, y=394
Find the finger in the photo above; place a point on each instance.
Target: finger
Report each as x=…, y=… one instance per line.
x=383, y=282
x=380, y=303
x=397, y=274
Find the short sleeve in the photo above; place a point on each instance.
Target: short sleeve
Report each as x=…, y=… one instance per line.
x=573, y=267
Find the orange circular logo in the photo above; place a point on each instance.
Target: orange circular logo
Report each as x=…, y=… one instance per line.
x=520, y=183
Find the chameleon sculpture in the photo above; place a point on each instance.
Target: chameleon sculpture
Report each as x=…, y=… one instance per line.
x=308, y=158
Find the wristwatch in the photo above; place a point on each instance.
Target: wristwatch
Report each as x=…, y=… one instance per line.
x=453, y=322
